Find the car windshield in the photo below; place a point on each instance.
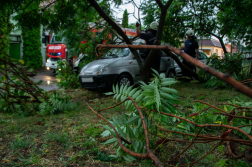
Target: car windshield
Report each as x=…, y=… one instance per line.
x=116, y=52
x=56, y=39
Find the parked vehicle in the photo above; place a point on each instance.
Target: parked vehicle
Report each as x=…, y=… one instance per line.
x=201, y=57
x=57, y=49
x=118, y=66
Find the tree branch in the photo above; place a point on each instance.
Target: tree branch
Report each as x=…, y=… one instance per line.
x=117, y=28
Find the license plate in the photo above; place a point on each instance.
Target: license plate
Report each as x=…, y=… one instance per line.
x=87, y=80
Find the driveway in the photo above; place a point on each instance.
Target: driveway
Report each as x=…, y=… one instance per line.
x=49, y=80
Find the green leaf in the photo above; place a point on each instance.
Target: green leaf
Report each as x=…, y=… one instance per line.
x=120, y=119
x=246, y=129
x=129, y=132
x=118, y=96
x=123, y=97
x=106, y=133
x=110, y=141
x=110, y=130
x=141, y=82
x=168, y=79
x=153, y=70
x=109, y=93
x=168, y=83
x=183, y=127
x=132, y=92
x=124, y=89
x=139, y=98
x=114, y=88
x=132, y=120
x=136, y=94
x=139, y=122
x=167, y=96
x=148, y=87
x=128, y=90
x=117, y=89
x=135, y=145
x=126, y=159
x=121, y=88
x=116, y=121
x=169, y=90
x=120, y=131
x=124, y=117
x=157, y=97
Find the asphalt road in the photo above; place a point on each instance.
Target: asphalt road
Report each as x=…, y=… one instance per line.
x=49, y=79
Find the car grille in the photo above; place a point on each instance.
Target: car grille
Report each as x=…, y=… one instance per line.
x=53, y=54
x=54, y=59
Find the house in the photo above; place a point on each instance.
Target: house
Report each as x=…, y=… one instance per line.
x=231, y=49
x=210, y=47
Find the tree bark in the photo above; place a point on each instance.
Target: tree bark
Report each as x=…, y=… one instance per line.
x=181, y=65
x=144, y=72
x=222, y=45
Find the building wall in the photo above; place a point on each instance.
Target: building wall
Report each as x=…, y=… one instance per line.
x=15, y=36
x=210, y=50
x=16, y=33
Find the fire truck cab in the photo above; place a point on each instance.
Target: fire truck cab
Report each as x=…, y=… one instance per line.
x=55, y=50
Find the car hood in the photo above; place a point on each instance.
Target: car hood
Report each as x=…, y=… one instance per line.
x=96, y=65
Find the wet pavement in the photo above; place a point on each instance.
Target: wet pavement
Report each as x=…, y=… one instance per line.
x=49, y=80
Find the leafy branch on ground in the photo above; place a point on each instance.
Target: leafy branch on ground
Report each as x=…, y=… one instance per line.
x=151, y=121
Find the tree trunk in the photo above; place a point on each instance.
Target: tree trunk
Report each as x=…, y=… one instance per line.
x=117, y=28
x=223, y=45
x=145, y=70
x=181, y=65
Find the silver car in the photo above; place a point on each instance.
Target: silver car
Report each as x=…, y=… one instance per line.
x=118, y=65
x=201, y=57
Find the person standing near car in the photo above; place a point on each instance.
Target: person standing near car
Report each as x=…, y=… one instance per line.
x=191, y=48
x=150, y=37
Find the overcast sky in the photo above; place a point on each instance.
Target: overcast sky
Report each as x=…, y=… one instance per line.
x=132, y=10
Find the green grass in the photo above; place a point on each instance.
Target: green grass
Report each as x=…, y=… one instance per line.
x=73, y=137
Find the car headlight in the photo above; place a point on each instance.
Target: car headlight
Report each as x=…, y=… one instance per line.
x=47, y=60
x=104, y=68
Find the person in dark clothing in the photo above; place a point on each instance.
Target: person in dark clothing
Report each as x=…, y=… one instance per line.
x=150, y=38
x=191, y=48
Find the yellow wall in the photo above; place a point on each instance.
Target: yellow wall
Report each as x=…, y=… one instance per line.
x=210, y=50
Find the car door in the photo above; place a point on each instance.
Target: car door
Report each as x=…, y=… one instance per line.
x=134, y=67
x=165, y=63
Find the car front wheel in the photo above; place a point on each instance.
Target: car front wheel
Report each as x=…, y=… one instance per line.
x=124, y=79
x=171, y=74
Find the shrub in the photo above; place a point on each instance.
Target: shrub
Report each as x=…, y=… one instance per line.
x=68, y=78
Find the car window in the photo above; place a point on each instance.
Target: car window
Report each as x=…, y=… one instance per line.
x=202, y=55
x=116, y=52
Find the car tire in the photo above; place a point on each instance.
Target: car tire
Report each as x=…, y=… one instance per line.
x=171, y=74
x=124, y=79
